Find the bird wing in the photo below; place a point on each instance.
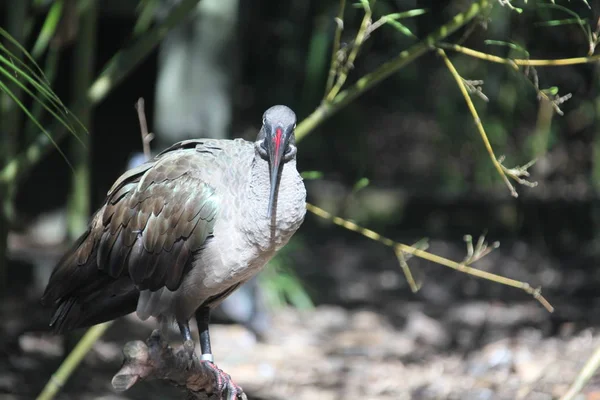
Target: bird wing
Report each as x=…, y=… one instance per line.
x=155, y=218
x=151, y=227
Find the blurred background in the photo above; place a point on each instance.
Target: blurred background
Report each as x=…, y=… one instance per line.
x=332, y=316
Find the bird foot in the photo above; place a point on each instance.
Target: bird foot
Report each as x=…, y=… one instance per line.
x=223, y=384
x=155, y=359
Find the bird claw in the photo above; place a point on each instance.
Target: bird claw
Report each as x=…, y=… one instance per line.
x=224, y=386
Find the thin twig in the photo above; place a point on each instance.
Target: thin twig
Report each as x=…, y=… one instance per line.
x=399, y=247
x=412, y=284
x=519, y=61
x=486, y=142
x=339, y=21
x=349, y=63
x=515, y=173
x=368, y=81
x=554, y=100
x=146, y=136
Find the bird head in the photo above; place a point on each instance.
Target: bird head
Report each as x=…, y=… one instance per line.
x=276, y=143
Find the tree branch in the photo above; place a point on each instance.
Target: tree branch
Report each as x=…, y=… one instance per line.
x=155, y=359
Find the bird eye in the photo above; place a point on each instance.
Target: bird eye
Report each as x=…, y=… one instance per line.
x=261, y=148
x=290, y=152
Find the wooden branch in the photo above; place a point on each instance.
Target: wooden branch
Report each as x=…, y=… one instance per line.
x=155, y=359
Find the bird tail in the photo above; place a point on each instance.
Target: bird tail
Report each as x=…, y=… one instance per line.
x=81, y=294
x=91, y=306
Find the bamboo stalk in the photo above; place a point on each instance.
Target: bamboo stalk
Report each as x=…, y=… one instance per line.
x=11, y=117
x=125, y=61
x=3, y=246
x=43, y=44
x=10, y=120
x=78, y=206
x=595, y=173
x=60, y=377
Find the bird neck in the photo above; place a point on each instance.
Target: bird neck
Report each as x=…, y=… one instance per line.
x=289, y=204
x=260, y=184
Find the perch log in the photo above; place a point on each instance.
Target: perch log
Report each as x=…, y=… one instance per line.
x=155, y=359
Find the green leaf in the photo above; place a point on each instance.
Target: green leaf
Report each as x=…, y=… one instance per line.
x=26, y=72
x=406, y=14
x=296, y=293
x=552, y=91
x=559, y=22
x=281, y=285
x=5, y=89
x=311, y=175
x=18, y=45
x=511, y=45
x=581, y=22
x=15, y=70
x=360, y=184
x=26, y=90
x=36, y=78
x=48, y=29
x=561, y=8
x=44, y=90
x=400, y=27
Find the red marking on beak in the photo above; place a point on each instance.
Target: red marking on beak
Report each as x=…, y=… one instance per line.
x=277, y=139
x=275, y=160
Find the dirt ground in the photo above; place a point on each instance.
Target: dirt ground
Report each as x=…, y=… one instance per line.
x=333, y=353
x=369, y=337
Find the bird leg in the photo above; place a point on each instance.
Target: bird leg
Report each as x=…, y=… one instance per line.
x=223, y=380
x=203, y=320
x=188, y=343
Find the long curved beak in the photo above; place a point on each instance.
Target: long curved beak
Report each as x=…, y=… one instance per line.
x=275, y=155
